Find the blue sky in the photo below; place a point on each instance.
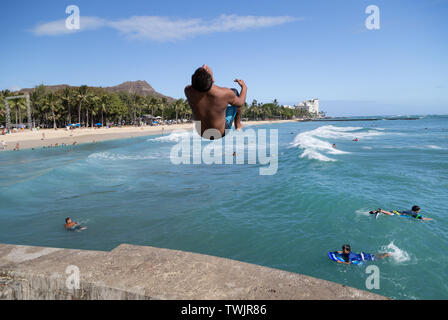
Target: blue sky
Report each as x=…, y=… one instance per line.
x=285, y=50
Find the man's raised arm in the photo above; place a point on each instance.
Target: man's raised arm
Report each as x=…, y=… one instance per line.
x=239, y=101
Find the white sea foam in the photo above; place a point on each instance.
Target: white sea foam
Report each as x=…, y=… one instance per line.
x=315, y=147
x=398, y=255
x=363, y=212
x=422, y=147
x=116, y=156
x=175, y=136
x=314, y=155
x=433, y=147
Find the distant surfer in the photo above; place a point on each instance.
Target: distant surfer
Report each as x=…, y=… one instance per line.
x=215, y=107
x=334, y=145
x=348, y=256
x=73, y=226
x=414, y=213
x=356, y=140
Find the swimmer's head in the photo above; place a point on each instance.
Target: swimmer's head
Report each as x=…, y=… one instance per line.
x=346, y=248
x=202, y=79
x=68, y=220
x=416, y=208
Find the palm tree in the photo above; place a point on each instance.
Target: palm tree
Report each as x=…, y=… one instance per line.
x=103, y=107
x=94, y=109
x=90, y=106
x=18, y=106
x=51, y=104
x=138, y=101
x=153, y=103
x=66, y=98
x=179, y=105
x=3, y=95
x=134, y=98
x=162, y=106
x=37, y=97
x=81, y=96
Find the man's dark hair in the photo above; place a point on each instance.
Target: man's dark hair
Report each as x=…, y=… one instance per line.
x=66, y=219
x=415, y=208
x=346, y=246
x=201, y=80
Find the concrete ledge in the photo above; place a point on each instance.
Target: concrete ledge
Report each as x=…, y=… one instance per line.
x=137, y=272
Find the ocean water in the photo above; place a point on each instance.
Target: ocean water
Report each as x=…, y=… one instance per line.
x=128, y=191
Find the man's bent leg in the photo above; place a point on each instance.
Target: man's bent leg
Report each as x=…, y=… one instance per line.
x=237, y=120
x=238, y=125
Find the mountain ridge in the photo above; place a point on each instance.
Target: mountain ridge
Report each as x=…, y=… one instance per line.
x=140, y=87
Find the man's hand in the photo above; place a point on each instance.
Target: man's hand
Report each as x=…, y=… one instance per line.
x=240, y=82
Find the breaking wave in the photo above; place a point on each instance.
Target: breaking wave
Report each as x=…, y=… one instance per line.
x=316, y=147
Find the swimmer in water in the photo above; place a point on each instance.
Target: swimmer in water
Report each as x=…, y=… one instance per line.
x=73, y=226
x=414, y=212
x=349, y=256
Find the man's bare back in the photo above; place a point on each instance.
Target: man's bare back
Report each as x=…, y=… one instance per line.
x=209, y=105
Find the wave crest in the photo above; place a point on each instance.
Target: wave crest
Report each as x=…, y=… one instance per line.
x=317, y=148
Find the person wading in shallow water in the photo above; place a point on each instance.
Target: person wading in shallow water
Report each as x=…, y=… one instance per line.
x=214, y=107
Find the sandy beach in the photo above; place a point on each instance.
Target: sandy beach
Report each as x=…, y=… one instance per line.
x=33, y=139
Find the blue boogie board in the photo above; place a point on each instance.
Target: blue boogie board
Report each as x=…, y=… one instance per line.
x=358, y=258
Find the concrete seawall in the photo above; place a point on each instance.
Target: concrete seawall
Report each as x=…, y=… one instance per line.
x=137, y=272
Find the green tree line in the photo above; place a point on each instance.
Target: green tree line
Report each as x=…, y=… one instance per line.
x=90, y=105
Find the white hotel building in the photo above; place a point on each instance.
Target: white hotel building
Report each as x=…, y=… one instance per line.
x=312, y=106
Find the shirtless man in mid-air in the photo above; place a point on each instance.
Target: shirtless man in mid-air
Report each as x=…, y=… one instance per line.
x=214, y=107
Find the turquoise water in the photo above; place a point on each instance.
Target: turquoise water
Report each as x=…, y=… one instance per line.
x=128, y=191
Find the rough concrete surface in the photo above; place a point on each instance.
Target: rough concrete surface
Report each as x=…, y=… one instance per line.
x=137, y=272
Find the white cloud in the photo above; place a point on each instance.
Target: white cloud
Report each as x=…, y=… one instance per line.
x=58, y=27
x=166, y=29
